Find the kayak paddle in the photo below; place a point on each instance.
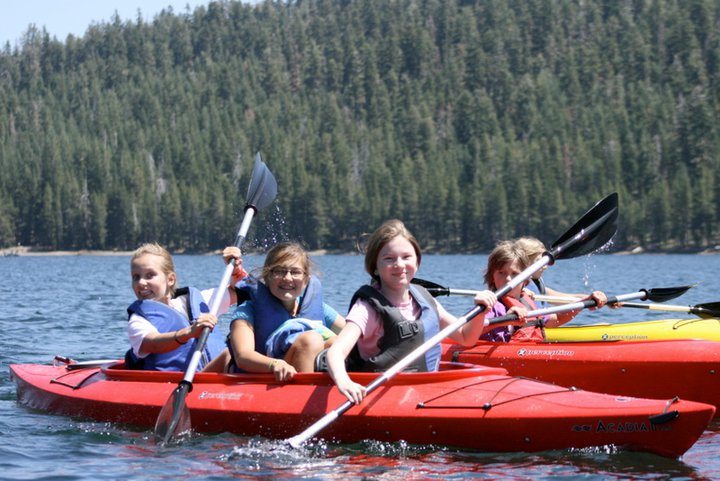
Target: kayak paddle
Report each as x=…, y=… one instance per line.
x=555, y=299
x=175, y=415
x=708, y=310
x=660, y=294
x=591, y=232
x=436, y=290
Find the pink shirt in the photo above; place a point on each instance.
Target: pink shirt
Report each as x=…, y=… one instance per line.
x=371, y=325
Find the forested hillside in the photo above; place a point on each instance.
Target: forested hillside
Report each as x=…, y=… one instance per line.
x=472, y=121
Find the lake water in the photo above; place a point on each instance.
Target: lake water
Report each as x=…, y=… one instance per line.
x=75, y=306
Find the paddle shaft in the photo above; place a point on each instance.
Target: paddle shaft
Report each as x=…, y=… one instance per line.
x=331, y=416
x=575, y=306
x=218, y=296
x=459, y=292
x=555, y=299
x=705, y=311
x=658, y=307
x=702, y=310
x=175, y=413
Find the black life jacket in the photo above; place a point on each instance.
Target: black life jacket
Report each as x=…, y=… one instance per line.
x=401, y=336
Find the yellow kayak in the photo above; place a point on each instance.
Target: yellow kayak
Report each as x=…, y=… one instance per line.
x=697, y=328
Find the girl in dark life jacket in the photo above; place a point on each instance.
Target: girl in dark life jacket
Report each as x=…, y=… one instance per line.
x=282, y=323
x=161, y=324
x=391, y=317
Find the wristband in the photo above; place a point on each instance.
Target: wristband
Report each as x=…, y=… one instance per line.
x=271, y=365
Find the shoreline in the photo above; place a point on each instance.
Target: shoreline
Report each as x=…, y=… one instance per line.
x=22, y=251
x=30, y=252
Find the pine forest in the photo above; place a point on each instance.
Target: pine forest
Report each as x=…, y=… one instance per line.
x=472, y=121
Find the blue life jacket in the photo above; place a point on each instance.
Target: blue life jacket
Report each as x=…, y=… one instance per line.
x=270, y=313
x=401, y=336
x=166, y=319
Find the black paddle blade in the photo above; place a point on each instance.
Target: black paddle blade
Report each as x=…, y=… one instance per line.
x=707, y=310
x=425, y=283
x=263, y=186
x=435, y=290
x=592, y=231
x=663, y=294
x=174, y=417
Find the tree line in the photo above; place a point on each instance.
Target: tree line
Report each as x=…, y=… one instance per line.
x=472, y=121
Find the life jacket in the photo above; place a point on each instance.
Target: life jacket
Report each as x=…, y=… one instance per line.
x=269, y=311
x=497, y=334
x=505, y=333
x=166, y=319
x=527, y=333
x=524, y=301
x=401, y=336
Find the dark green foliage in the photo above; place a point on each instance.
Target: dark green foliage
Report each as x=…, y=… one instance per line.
x=471, y=121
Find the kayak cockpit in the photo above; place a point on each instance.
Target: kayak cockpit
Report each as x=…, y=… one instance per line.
x=448, y=371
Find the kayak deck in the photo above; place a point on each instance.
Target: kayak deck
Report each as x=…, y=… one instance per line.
x=654, y=369
x=695, y=328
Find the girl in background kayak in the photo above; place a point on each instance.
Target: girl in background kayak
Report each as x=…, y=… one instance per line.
x=283, y=323
x=391, y=317
x=506, y=261
x=161, y=323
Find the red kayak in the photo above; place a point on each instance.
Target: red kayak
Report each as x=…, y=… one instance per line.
x=661, y=369
x=465, y=406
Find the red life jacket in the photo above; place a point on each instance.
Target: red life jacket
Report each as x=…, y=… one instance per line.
x=529, y=333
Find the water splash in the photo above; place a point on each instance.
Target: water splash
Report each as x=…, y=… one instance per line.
x=590, y=263
x=401, y=449
x=261, y=454
x=270, y=231
x=595, y=450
